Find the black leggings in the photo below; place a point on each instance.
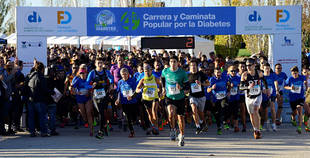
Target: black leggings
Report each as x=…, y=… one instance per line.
x=131, y=114
x=231, y=109
x=102, y=107
x=217, y=111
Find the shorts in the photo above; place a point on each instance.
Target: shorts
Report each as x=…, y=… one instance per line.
x=273, y=98
x=199, y=102
x=297, y=102
x=148, y=104
x=179, y=104
x=253, y=102
x=281, y=92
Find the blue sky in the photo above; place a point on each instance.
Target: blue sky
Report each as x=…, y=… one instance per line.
x=169, y=3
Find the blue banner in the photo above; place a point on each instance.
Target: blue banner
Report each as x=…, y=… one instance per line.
x=161, y=21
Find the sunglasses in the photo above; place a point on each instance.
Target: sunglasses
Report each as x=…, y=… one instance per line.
x=249, y=65
x=233, y=71
x=279, y=68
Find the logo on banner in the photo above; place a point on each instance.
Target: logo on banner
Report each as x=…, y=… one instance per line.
x=105, y=21
x=282, y=16
x=33, y=17
x=63, y=17
x=287, y=42
x=26, y=44
x=255, y=17
x=130, y=22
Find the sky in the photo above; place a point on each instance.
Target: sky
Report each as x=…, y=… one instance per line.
x=169, y=3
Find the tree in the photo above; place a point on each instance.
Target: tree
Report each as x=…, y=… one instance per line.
x=3, y=12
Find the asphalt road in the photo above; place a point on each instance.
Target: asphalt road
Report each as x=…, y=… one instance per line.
x=77, y=143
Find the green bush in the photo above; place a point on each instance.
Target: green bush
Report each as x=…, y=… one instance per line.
x=243, y=53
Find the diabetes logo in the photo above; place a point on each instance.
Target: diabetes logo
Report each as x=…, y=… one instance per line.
x=255, y=17
x=33, y=17
x=63, y=17
x=26, y=44
x=130, y=21
x=287, y=42
x=282, y=16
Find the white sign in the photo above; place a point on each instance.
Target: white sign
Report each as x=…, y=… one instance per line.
x=30, y=47
x=268, y=19
x=52, y=21
x=286, y=50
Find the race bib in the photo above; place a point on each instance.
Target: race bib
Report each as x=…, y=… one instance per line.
x=127, y=93
x=220, y=95
x=234, y=91
x=297, y=89
x=173, y=90
x=83, y=91
x=195, y=88
x=255, y=90
x=150, y=92
x=99, y=93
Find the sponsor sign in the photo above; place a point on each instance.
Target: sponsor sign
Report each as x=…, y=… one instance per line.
x=160, y=21
x=30, y=47
x=51, y=21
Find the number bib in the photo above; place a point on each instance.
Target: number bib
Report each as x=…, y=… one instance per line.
x=195, y=88
x=220, y=95
x=173, y=90
x=234, y=91
x=297, y=89
x=127, y=93
x=83, y=91
x=99, y=93
x=255, y=90
x=150, y=92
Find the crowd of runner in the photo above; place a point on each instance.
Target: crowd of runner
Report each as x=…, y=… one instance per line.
x=85, y=87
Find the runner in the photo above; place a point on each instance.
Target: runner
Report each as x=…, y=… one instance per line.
x=151, y=87
x=268, y=100
x=218, y=86
x=83, y=96
x=234, y=98
x=295, y=84
x=175, y=83
x=126, y=98
x=102, y=82
x=305, y=72
x=251, y=81
x=281, y=77
x=197, y=97
x=243, y=113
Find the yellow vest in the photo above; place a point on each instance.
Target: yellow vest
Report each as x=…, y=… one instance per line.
x=150, y=89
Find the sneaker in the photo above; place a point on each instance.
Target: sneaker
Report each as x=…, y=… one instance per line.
x=294, y=123
x=86, y=125
x=306, y=118
x=33, y=135
x=298, y=130
x=274, y=127
x=236, y=129
x=278, y=122
x=99, y=135
x=204, y=128
x=45, y=135
x=219, y=131
x=155, y=131
x=95, y=123
x=181, y=140
x=198, y=130
x=148, y=131
x=132, y=134
x=307, y=129
x=226, y=126
x=257, y=135
x=172, y=135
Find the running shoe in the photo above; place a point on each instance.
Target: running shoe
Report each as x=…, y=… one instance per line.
x=257, y=135
x=236, y=129
x=86, y=125
x=132, y=134
x=298, y=130
x=278, y=122
x=294, y=123
x=198, y=130
x=181, y=140
x=219, y=131
x=95, y=123
x=226, y=126
x=99, y=135
x=307, y=129
x=274, y=127
x=172, y=135
x=205, y=128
